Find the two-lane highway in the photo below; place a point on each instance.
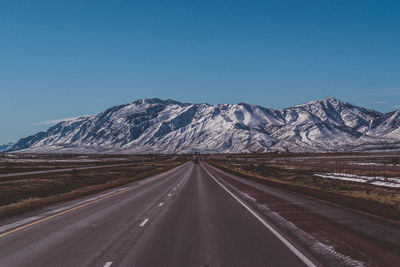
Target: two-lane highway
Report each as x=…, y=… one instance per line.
x=205, y=226
x=179, y=218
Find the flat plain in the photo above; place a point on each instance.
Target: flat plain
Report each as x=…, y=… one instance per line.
x=223, y=210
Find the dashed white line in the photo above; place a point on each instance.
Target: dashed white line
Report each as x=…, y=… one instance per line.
x=161, y=203
x=169, y=195
x=144, y=223
x=27, y=222
x=108, y=264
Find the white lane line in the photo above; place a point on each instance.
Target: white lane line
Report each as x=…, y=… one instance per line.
x=108, y=264
x=174, y=188
x=161, y=203
x=169, y=195
x=144, y=223
x=268, y=226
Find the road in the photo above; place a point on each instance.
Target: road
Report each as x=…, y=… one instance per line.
x=182, y=218
x=187, y=216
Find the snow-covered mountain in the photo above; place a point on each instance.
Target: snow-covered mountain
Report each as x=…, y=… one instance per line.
x=168, y=126
x=5, y=147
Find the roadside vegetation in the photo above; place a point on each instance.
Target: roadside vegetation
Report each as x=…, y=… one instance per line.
x=23, y=193
x=303, y=174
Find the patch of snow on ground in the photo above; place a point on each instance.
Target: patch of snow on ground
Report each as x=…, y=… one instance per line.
x=372, y=163
x=375, y=180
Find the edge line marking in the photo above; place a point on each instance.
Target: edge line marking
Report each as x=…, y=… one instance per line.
x=300, y=255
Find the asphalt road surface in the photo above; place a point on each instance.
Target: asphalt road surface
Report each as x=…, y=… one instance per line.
x=183, y=217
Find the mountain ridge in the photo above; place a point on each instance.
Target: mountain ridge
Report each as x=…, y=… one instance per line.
x=6, y=147
x=170, y=126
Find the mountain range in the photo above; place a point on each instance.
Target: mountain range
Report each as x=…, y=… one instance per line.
x=168, y=126
x=5, y=147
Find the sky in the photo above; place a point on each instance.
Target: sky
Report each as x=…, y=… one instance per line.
x=62, y=59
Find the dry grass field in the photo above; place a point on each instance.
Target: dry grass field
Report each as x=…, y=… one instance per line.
x=367, y=182
x=76, y=175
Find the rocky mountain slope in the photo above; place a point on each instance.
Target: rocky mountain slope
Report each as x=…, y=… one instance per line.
x=5, y=147
x=168, y=126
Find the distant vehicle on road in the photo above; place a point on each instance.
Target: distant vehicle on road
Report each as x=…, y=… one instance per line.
x=196, y=159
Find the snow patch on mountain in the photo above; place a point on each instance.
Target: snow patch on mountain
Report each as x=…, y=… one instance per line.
x=168, y=126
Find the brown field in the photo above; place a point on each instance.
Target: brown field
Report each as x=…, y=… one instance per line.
x=22, y=193
x=296, y=172
x=14, y=163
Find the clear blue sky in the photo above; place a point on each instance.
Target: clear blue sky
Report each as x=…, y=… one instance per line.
x=61, y=59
